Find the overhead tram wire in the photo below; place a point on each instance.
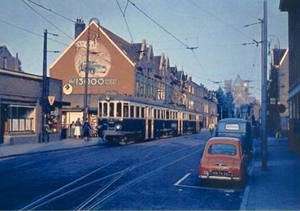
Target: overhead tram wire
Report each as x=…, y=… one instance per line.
x=158, y=24
x=51, y=11
x=46, y=19
x=123, y=14
x=219, y=19
x=31, y=32
x=251, y=15
x=186, y=46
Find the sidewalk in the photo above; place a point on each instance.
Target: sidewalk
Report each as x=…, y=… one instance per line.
x=278, y=187
x=19, y=149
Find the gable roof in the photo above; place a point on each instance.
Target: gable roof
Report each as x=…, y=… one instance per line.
x=3, y=48
x=126, y=49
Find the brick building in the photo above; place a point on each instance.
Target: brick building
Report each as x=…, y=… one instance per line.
x=293, y=9
x=117, y=67
x=20, y=108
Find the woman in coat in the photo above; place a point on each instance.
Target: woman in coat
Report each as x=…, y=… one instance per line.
x=77, y=132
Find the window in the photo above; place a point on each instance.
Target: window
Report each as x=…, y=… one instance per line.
x=143, y=112
x=100, y=109
x=132, y=111
x=137, y=111
x=167, y=115
x=111, y=109
x=105, y=109
x=20, y=118
x=119, y=109
x=222, y=149
x=125, y=110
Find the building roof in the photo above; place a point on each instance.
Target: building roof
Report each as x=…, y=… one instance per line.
x=277, y=56
x=238, y=81
x=286, y=5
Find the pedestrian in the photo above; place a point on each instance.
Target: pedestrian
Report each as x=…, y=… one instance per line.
x=71, y=130
x=86, y=130
x=77, y=131
x=278, y=131
x=256, y=131
x=211, y=127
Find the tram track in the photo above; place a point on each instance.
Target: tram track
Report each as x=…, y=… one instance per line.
x=108, y=177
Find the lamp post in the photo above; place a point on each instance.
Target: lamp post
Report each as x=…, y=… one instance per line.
x=87, y=69
x=264, y=140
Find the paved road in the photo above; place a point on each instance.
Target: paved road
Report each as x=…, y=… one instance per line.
x=161, y=174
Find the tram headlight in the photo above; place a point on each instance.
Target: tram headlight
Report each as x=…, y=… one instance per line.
x=118, y=127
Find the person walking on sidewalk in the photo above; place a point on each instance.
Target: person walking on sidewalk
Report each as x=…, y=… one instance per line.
x=278, y=131
x=86, y=130
x=211, y=127
x=77, y=131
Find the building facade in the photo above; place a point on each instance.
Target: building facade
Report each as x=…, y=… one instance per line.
x=116, y=67
x=7, y=61
x=277, y=91
x=21, y=111
x=293, y=9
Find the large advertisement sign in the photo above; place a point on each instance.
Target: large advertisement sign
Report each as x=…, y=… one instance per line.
x=97, y=65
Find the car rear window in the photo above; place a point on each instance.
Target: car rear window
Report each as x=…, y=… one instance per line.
x=232, y=127
x=222, y=149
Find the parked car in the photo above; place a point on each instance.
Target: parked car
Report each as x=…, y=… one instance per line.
x=239, y=128
x=223, y=159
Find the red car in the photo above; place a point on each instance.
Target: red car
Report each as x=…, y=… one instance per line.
x=223, y=159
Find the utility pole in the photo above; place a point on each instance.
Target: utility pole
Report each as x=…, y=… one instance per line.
x=87, y=69
x=264, y=140
x=44, y=136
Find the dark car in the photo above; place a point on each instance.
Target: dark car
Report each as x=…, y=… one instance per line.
x=239, y=128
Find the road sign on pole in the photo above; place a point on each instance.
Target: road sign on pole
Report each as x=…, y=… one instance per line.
x=51, y=100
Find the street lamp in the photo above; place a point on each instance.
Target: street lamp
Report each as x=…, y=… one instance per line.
x=271, y=35
x=87, y=69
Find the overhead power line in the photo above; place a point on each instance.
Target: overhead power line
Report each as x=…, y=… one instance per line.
x=123, y=14
x=51, y=11
x=158, y=24
x=219, y=19
x=46, y=19
x=31, y=32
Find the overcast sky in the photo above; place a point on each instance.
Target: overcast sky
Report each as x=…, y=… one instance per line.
x=214, y=29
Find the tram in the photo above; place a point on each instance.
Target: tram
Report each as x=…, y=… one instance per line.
x=127, y=119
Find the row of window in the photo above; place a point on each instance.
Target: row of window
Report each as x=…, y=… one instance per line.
x=126, y=110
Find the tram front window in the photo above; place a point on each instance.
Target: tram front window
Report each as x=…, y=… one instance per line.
x=119, y=109
x=111, y=109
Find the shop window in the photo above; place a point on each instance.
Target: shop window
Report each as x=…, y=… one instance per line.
x=52, y=120
x=20, y=118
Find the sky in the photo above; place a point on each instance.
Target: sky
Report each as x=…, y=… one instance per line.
x=207, y=39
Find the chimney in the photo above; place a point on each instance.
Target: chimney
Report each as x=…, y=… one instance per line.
x=16, y=63
x=79, y=27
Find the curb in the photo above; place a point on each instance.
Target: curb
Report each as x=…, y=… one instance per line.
x=50, y=150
